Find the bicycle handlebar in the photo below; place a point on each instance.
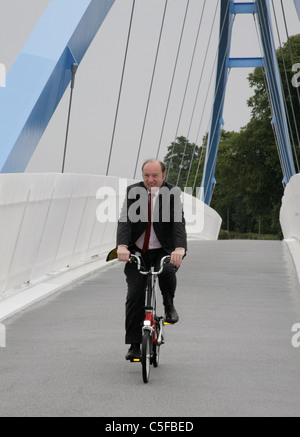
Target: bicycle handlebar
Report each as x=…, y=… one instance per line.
x=137, y=259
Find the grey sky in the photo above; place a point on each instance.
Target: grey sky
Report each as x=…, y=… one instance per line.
x=98, y=80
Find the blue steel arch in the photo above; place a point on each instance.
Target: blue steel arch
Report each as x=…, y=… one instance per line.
x=43, y=70
x=41, y=74
x=228, y=10
x=297, y=6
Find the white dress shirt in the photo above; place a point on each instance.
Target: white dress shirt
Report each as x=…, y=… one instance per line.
x=153, y=241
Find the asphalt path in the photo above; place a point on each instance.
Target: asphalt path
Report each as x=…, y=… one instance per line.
x=231, y=353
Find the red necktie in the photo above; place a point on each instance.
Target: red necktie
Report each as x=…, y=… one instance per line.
x=148, y=229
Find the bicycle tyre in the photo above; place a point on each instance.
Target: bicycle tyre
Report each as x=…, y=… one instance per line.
x=156, y=355
x=146, y=355
x=156, y=348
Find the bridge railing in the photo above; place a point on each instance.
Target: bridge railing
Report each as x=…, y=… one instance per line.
x=49, y=222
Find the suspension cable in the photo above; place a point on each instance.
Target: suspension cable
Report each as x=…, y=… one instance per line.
x=185, y=92
x=272, y=84
x=205, y=102
x=218, y=80
x=74, y=70
x=269, y=100
x=197, y=94
x=267, y=86
x=198, y=167
x=173, y=77
x=151, y=85
x=121, y=87
x=290, y=95
x=283, y=162
x=207, y=94
x=289, y=45
x=173, y=146
x=272, y=124
x=221, y=104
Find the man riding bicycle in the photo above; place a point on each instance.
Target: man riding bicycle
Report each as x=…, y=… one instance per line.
x=151, y=223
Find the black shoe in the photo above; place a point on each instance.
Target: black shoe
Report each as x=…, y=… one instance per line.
x=133, y=352
x=171, y=314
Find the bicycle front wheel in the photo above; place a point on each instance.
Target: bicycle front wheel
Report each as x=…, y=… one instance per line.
x=146, y=354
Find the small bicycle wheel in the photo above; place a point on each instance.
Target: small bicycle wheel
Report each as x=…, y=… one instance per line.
x=146, y=354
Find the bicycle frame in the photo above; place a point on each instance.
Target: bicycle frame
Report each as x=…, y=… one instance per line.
x=151, y=289
x=150, y=306
x=152, y=324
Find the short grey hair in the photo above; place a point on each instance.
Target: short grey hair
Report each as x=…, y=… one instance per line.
x=162, y=165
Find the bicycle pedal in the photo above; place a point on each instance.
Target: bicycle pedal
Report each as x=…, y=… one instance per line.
x=135, y=360
x=168, y=323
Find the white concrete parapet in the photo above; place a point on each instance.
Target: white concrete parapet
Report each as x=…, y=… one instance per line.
x=290, y=219
x=48, y=222
x=202, y=222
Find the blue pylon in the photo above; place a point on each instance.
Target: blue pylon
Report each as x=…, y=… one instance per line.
x=228, y=10
x=39, y=77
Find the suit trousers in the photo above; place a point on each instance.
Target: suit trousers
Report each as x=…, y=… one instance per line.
x=136, y=285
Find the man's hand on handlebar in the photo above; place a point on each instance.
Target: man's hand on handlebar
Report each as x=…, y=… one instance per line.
x=176, y=256
x=123, y=253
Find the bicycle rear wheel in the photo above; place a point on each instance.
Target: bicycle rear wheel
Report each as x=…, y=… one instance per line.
x=146, y=354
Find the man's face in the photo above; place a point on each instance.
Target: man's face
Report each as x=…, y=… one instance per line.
x=153, y=175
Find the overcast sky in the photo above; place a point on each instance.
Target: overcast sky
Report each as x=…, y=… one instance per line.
x=98, y=80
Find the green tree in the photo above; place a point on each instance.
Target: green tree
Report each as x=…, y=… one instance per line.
x=287, y=56
x=182, y=161
x=248, y=178
x=248, y=172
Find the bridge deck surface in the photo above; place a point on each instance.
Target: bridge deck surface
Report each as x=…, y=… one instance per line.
x=229, y=355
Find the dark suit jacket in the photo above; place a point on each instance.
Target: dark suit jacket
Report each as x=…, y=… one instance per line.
x=168, y=217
